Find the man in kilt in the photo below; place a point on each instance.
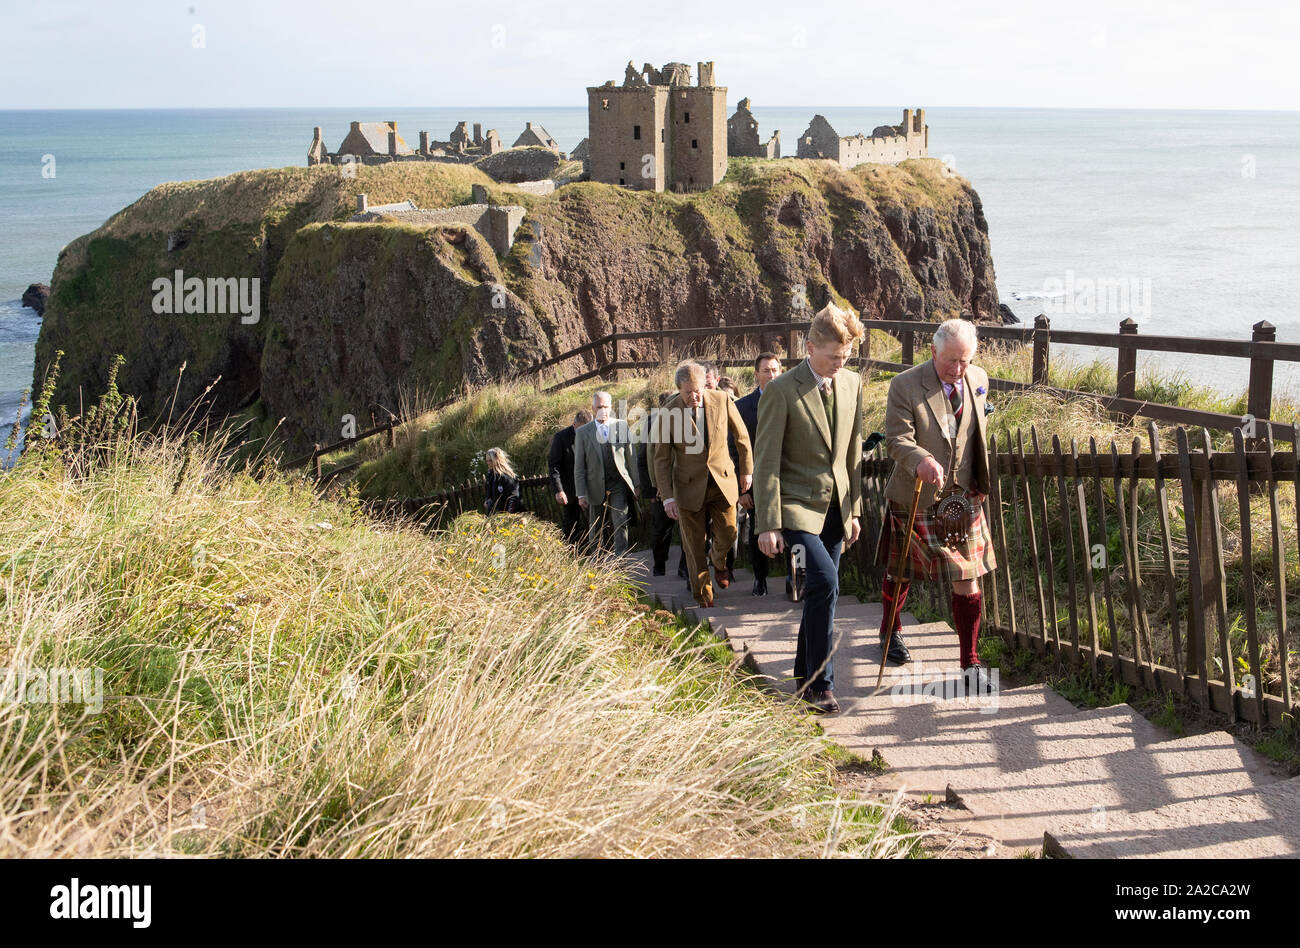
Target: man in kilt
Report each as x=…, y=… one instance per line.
x=934, y=428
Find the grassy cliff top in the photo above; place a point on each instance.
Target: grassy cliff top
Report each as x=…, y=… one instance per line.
x=283, y=676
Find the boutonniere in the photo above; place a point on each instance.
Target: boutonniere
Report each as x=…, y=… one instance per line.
x=981, y=390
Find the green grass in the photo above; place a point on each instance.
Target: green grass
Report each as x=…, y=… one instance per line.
x=326, y=685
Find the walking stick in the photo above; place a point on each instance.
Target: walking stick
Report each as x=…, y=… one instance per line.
x=893, y=608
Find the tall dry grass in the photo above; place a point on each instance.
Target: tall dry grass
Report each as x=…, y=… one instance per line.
x=284, y=677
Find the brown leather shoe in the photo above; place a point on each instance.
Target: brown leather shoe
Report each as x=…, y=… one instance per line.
x=722, y=577
x=822, y=702
x=705, y=599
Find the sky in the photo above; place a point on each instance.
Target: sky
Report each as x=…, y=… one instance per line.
x=1166, y=54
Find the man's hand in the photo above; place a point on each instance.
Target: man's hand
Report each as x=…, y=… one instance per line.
x=746, y=481
x=930, y=472
x=771, y=542
x=582, y=502
x=562, y=498
x=855, y=531
x=670, y=508
x=747, y=501
x=977, y=498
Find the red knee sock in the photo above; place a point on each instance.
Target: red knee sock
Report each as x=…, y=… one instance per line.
x=890, y=589
x=966, y=613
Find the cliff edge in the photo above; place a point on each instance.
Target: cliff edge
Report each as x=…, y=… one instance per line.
x=354, y=315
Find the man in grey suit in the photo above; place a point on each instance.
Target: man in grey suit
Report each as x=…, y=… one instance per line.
x=604, y=473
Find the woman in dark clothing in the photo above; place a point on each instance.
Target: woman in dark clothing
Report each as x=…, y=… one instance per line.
x=502, y=484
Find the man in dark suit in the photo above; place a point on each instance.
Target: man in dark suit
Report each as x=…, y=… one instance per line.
x=766, y=367
x=560, y=465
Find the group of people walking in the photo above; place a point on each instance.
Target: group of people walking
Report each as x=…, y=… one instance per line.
x=789, y=455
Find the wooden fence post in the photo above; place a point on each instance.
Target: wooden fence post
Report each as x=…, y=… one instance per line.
x=315, y=456
x=612, y=373
x=1042, y=329
x=1126, y=370
x=1259, y=402
x=909, y=342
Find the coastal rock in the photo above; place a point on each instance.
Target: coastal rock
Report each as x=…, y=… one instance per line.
x=35, y=297
x=357, y=314
x=1008, y=318
x=366, y=312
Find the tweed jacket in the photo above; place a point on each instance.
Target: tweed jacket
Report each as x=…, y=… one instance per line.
x=588, y=465
x=796, y=471
x=917, y=416
x=682, y=473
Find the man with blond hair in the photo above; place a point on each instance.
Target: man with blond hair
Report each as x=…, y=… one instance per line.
x=808, y=484
x=695, y=474
x=935, y=432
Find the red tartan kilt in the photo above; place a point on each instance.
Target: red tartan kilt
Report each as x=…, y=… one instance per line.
x=929, y=557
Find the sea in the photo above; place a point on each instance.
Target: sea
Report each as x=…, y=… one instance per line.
x=1187, y=222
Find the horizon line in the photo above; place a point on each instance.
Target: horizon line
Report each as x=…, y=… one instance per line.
x=271, y=108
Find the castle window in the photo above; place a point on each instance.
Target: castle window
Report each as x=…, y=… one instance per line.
x=688, y=118
x=604, y=103
x=622, y=166
x=621, y=181
x=636, y=132
x=695, y=143
x=661, y=134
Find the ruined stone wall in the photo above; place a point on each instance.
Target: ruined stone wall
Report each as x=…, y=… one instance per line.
x=617, y=155
x=698, y=118
x=496, y=222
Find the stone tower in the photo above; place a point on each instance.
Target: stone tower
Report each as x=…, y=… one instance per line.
x=657, y=131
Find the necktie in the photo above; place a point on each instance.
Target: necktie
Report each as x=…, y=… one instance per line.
x=701, y=423
x=828, y=401
x=954, y=399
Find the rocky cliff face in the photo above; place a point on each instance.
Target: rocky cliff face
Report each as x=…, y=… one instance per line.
x=775, y=241
x=367, y=313
x=354, y=315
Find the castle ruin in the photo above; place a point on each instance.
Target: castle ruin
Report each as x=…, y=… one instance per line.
x=497, y=223
x=373, y=143
x=743, y=139
x=887, y=144
x=657, y=131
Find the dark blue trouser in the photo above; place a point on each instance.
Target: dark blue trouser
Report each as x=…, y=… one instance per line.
x=821, y=559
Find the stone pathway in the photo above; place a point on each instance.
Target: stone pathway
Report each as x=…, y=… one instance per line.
x=1031, y=771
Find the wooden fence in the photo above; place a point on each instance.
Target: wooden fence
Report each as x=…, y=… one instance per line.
x=1124, y=557
x=1170, y=570
x=604, y=358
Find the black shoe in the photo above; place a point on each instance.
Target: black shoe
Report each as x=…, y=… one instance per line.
x=898, y=653
x=822, y=702
x=760, y=587
x=657, y=571
x=978, y=681
x=681, y=571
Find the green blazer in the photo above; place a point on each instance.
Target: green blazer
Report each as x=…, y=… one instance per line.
x=795, y=469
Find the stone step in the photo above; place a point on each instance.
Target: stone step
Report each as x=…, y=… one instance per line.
x=1261, y=822
x=1025, y=763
